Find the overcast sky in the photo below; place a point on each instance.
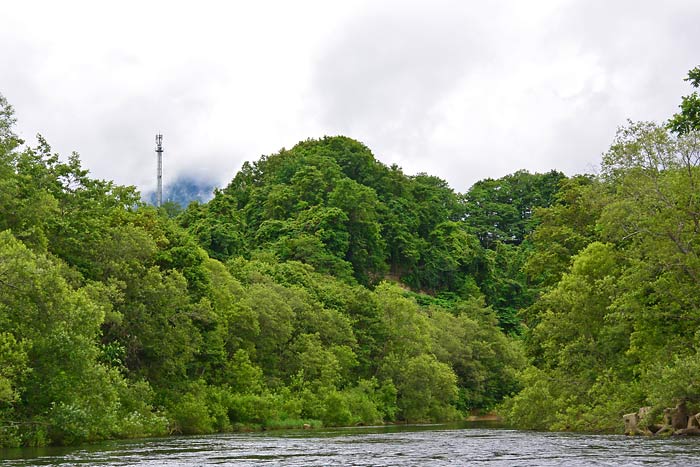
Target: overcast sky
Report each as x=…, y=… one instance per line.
x=464, y=90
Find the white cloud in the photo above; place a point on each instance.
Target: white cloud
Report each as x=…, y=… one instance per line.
x=462, y=90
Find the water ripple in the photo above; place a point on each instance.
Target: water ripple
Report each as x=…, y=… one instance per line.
x=376, y=446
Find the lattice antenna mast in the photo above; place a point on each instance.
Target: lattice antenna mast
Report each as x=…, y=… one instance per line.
x=159, y=153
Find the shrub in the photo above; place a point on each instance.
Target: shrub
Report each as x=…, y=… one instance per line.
x=190, y=415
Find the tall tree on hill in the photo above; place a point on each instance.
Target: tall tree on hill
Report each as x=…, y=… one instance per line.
x=502, y=210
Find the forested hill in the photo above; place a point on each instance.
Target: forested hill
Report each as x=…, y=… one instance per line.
x=319, y=287
x=323, y=287
x=330, y=204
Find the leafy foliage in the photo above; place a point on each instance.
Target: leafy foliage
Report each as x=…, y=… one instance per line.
x=688, y=119
x=617, y=329
x=118, y=319
x=323, y=287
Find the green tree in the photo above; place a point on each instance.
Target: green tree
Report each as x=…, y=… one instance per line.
x=426, y=390
x=49, y=332
x=366, y=247
x=564, y=228
x=688, y=119
x=502, y=210
x=656, y=217
x=484, y=360
x=580, y=344
x=618, y=330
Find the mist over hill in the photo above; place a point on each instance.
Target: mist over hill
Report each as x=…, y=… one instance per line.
x=183, y=191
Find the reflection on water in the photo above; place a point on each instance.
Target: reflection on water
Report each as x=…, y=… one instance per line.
x=439, y=445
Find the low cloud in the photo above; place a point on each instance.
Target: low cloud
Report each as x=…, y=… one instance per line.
x=460, y=90
x=468, y=93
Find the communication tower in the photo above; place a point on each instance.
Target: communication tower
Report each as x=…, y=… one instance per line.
x=159, y=153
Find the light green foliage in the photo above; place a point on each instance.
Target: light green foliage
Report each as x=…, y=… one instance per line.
x=426, y=390
x=13, y=367
x=275, y=319
x=688, y=119
x=26, y=198
x=284, y=300
x=51, y=369
x=190, y=413
x=564, y=228
x=401, y=317
x=449, y=355
x=581, y=341
x=485, y=361
x=138, y=418
x=575, y=313
x=158, y=331
x=367, y=404
x=674, y=380
x=537, y=405
x=267, y=307
x=336, y=409
x=8, y=139
x=319, y=366
x=618, y=330
x=243, y=376
x=370, y=330
x=656, y=217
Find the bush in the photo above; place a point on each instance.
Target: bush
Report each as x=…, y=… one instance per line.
x=219, y=403
x=336, y=411
x=671, y=382
x=362, y=407
x=139, y=425
x=190, y=415
x=69, y=423
x=292, y=423
x=534, y=407
x=137, y=416
x=250, y=408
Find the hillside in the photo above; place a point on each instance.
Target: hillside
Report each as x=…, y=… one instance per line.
x=330, y=204
x=115, y=322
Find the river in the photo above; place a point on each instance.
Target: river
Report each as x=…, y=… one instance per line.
x=405, y=446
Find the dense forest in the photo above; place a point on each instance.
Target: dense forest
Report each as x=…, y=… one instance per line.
x=322, y=287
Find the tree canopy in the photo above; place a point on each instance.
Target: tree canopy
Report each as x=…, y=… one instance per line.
x=616, y=326
x=272, y=305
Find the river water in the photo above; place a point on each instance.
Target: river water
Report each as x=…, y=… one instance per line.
x=433, y=445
